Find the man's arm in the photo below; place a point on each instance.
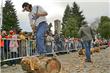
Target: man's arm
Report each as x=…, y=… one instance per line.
x=31, y=23
x=41, y=12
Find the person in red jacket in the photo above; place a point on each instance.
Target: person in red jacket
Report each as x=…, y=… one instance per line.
x=1, y=47
x=109, y=43
x=5, y=38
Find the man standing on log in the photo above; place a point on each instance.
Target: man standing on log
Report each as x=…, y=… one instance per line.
x=37, y=17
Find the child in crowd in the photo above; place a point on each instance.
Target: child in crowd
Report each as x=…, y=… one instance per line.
x=13, y=45
x=33, y=46
x=29, y=45
x=49, y=39
x=22, y=49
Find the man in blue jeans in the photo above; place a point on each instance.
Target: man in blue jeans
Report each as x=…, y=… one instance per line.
x=87, y=35
x=37, y=17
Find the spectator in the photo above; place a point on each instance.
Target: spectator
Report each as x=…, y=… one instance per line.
x=22, y=49
x=6, y=44
x=13, y=47
x=76, y=43
x=1, y=47
x=49, y=39
x=109, y=43
x=29, y=45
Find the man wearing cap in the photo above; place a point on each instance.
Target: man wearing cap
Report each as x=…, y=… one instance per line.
x=38, y=23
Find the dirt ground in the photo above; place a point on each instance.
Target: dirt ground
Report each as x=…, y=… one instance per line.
x=73, y=63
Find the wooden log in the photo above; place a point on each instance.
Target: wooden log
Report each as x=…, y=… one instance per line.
x=41, y=65
x=92, y=50
x=97, y=49
x=53, y=66
x=81, y=52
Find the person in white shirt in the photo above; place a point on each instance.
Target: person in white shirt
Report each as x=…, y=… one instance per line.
x=37, y=17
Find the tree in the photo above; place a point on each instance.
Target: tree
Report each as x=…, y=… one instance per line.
x=71, y=30
x=67, y=14
x=104, y=27
x=72, y=21
x=10, y=20
x=77, y=14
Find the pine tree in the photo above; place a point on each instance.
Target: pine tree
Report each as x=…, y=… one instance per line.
x=77, y=14
x=10, y=20
x=71, y=29
x=67, y=14
x=72, y=21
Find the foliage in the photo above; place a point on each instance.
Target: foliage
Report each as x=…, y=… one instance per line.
x=72, y=20
x=10, y=20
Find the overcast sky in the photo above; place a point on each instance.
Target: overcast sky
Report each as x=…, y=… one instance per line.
x=92, y=9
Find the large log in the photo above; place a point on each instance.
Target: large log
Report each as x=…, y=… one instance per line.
x=97, y=49
x=92, y=50
x=81, y=52
x=41, y=65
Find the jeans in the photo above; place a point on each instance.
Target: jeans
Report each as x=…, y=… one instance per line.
x=40, y=35
x=87, y=46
